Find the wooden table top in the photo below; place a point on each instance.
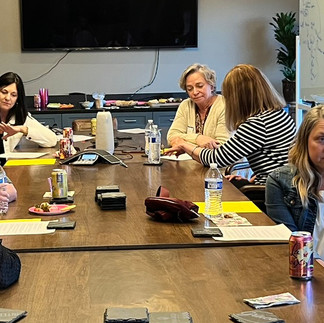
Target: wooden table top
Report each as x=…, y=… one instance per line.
x=121, y=229
x=210, y=283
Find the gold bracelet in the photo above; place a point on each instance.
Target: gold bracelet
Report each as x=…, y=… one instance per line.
x=194, y=150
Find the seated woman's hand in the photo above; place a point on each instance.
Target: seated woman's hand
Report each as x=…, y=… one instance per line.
x=10, y=130
x=176, y=148
x=207, y=142
x=231, y=177
x=4, y=195
x=239, y=178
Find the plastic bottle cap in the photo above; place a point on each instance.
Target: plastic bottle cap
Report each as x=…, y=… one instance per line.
x=213, y=165
x=150, y=120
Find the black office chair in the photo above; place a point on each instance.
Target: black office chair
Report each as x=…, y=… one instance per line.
x=255, y=193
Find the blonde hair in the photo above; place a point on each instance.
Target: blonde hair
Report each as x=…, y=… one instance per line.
x=248, y=92
x=208, y=74
x=308, y=179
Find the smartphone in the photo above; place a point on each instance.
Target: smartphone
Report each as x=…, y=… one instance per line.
x=206, y=232
x=61, y=225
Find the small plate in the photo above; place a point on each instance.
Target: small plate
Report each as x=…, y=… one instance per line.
x=54, y=210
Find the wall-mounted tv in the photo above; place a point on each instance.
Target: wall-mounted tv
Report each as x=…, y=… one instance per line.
x=61, y=25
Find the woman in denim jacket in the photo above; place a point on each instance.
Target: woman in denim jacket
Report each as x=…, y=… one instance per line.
x=295, y=193
x=284, y=204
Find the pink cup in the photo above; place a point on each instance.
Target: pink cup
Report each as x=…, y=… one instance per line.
x=43, y=93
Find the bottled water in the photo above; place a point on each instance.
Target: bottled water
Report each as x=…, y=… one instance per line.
x=154, y=146
x=148, y=130
x=213, y=192
x=3, y=205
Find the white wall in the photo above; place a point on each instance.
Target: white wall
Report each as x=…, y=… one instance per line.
x=230, y=32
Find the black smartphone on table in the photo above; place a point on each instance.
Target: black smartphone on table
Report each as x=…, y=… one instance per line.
x=206, y=232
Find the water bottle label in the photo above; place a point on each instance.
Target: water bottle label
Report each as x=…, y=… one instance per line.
x=214, y=185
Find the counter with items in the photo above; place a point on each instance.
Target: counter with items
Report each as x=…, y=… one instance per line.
x=63, y=110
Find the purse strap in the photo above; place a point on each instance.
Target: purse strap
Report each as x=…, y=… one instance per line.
x=162, y=192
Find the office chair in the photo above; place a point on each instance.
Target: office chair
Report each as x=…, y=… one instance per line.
x=255, y=193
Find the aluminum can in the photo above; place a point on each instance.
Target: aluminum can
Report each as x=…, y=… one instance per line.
x=93, y=126
x=59, y=184
x=301, y=255
x=65, y=148
x=68, y=133
x=37, y=101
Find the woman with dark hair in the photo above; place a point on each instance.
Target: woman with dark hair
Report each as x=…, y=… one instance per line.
x=16, y=122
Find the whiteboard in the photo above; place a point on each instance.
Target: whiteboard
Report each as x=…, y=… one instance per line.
x=311, y=31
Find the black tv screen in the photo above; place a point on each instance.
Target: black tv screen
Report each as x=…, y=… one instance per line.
x=48, y=25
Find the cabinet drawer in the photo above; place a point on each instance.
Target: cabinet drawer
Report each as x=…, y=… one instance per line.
x=163, y=119
x=68, y=118
x=49, y=119
x=132, y=120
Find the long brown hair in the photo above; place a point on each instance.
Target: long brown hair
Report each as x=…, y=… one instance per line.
x=308, y=179
x=248, y=92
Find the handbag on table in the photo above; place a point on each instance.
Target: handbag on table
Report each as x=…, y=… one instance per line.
x=165, y=208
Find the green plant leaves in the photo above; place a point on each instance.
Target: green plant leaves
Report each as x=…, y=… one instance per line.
x=285, y=31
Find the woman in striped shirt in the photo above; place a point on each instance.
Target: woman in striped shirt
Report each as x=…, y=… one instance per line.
x=264, y=131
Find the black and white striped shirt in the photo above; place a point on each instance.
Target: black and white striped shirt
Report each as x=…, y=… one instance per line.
x=263, y=139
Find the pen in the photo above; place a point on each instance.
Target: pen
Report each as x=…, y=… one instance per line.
x=123, y=164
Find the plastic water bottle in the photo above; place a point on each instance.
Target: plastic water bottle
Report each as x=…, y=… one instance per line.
x=154, y=146
x=148, y=129
x=213, y=192
x=3, y=205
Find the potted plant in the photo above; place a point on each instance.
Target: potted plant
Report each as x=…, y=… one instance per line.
x=285, y=31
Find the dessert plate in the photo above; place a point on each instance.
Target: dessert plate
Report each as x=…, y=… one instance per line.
x=55, y=209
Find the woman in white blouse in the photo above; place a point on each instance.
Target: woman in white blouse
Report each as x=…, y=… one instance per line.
x=16, y=122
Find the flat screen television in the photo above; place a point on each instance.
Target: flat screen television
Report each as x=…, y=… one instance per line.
x=61, y=25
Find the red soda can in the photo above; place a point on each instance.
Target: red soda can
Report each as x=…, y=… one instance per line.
x=37, y=101
x=65, y=148
x=301, y=255
x=68, y=133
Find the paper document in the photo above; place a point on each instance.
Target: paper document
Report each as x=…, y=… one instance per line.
x=134, y=130
x=76, y=138
x=174, y=157
x=277, y=232
x=22, y=155
x=19, y=228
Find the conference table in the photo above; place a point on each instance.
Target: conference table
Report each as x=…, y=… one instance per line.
x=131, y=228
x=209, y=283
x=124, y=258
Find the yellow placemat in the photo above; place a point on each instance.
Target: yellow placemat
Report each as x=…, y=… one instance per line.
x=234, y=206
x=27, y=162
